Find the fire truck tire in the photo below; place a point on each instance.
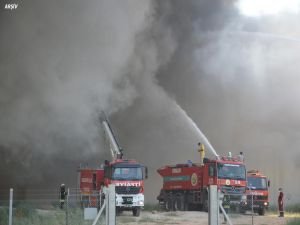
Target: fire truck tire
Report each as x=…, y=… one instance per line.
x=169, y=204
x=118, y=211
x=205, y=202
x=136, y=211
x=242, y=210
x=261, y=212
x=179, y=203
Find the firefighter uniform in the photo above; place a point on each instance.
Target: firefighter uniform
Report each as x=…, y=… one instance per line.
x=280, y=203
x=202, y=152
x=226, y=205
x=62, y=195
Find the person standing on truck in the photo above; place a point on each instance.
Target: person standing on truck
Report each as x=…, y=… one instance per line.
x=226, y=205
x=202, y=152
x=280, y=203
x=241, y=156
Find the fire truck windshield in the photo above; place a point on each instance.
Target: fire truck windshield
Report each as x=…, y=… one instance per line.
x=257, y=183
x=127, y=173
x=231, y=171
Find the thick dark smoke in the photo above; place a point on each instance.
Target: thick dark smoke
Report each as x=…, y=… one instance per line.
x=62, y=63
x=240, y=83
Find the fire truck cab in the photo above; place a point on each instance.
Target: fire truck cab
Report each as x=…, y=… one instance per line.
x=128, y=177
x=257, y=192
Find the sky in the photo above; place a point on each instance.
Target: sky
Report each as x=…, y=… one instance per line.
x=231, y=66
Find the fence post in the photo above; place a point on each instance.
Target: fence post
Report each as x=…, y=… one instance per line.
x=106, y=205
x=225, y=214
x=252, y=211
x=111, y=205
x=99, y=213
x=213, y=212
x=10, y=206
x=67, y=208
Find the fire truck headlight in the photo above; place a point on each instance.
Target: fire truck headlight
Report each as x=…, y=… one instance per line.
x=141, y=202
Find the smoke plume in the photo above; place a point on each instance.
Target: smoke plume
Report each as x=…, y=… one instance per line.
x=61, y=63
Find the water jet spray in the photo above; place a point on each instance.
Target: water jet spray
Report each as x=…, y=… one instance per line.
x=202, y=137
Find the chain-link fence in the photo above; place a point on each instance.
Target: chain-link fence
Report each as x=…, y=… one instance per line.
x=46, y=207
x=251, y=204
x=39, y=207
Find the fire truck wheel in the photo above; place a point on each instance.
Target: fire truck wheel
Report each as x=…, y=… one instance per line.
x=261, y=212
x=118, y=211
x=169, y=204
x=179, y=203
x=205, y=203
x=136, y=211
x=242, y=211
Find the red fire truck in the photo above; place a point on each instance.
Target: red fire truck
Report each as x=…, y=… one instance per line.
x=89, y=182
x=257, y=192
x=185, y=186
x=127, y=175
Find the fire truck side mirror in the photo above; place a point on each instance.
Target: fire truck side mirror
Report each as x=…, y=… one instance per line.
x=106, y=168
x=269, y=183
x=106, y=171
x=146, y=172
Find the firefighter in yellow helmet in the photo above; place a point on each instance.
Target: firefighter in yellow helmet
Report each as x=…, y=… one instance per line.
x=202, y=152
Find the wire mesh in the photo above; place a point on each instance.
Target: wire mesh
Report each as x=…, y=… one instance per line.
x=45, y=206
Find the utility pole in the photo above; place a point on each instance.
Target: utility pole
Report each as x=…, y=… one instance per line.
x=213, y=211
x=110, y=211
x=10, y=206
x=252, y=211
x=67, y=208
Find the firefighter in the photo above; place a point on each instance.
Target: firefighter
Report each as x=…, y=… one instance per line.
x=226, y=205
x=202, y=152
x=280, y=203
x=241, y=156
x=62, y=195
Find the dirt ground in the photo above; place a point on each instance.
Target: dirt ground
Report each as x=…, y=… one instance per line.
x=195, y=218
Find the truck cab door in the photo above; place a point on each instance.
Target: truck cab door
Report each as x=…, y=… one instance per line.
x=212, y=174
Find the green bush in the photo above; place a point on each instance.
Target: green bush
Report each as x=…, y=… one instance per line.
x=294, y=222
x=3, y=215
x=24, y=210
x=293, y=208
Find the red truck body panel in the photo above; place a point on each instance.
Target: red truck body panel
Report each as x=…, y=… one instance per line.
x=90, y=180
x=181, y=177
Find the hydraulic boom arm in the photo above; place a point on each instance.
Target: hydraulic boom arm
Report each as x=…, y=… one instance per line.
x=116, y=151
